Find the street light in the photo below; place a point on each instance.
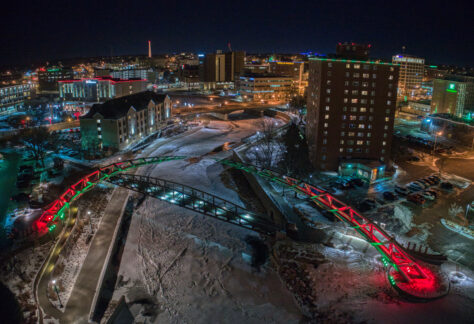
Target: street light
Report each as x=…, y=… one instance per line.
x=90, y=221
x=57, y=292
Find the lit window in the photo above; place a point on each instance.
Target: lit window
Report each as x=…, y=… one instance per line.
x=364, y=93
x=361, y=126
x=346, y=91
x=369, y=134
x=385, y=127
x=342, y=142
x=360, y=142
x=98, y=121
x=345, y=100
x=387, y=119
x=328, y=90
x=384, y=143
x=327, y=108
x=355, y=92
x=390, y=77
x=354, y=100
x=326, y=125
x=352, y=117
x=351, y=134
x=326, y=116
x=329, y=64
x=363, y=109
x=389, y=102
x=341, y=149
x=356, y=75
x=356, y=66
x=348, y=66
x=366, y=75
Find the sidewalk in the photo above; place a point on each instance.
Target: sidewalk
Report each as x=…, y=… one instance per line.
x=79, y=304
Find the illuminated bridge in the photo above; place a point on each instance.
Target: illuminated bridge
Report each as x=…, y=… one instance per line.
x=196, y=200
x=406, y=269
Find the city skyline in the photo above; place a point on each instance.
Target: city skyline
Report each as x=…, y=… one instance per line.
x=61, y=31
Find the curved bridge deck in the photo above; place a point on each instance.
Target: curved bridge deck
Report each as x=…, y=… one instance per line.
x=195, y=200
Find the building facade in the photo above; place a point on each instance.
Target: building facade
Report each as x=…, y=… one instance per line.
x=259, y=87
x=351, y=108
x=453, y=95
x=412, y=71
x=12, y=97
x=296, y=70
x=120, y=122
x=99, y=89
x=48, y=78
x=221, y=69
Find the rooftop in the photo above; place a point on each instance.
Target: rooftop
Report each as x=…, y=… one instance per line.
x=118, y=107
x=351, y=61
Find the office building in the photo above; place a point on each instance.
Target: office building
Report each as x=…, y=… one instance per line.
x=221, y=69
x=351, y=107
x=260, y=87
x=353, y=51
x=99, y=89
x=297, y=71
x=48, y=78
x=412, y=71
x=454, y=94
x=13, y=97
x=120, y=122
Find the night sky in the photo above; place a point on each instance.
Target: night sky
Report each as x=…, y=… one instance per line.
x=442, y=32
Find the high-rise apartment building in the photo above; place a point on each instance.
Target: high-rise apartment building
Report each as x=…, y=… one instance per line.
x=351, y=107
x=220, y=69
x=412, y=70
x=454, y=95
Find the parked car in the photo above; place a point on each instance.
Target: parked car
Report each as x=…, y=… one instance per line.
x=417, y=199
x=402, y=190
x=415, y=187
x=428, y=195
x=421, y=183
x=388, y=195
x=433, y=192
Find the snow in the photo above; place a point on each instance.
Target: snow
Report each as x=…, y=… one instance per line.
x=190, y=267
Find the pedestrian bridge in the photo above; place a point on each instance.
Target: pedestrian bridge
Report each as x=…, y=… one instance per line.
x=407, y=270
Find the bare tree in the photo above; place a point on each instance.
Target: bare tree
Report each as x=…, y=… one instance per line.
x=268, y=147
x=36, y=141
x=454, y=210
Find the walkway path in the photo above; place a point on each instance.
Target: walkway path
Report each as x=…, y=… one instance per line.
x=79, y=304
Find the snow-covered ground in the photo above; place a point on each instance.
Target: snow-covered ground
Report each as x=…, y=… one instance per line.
x=181, y=267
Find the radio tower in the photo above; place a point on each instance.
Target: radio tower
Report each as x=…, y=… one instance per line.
x=149, y=49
